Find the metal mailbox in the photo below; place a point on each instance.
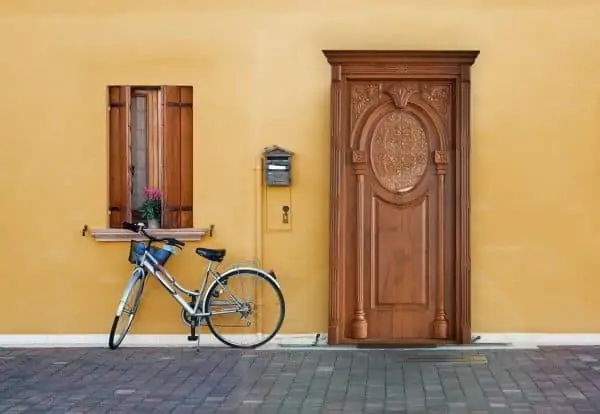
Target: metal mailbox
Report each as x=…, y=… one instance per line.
x=278, y=166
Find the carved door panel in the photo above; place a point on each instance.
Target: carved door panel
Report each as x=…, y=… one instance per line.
x=398, y=216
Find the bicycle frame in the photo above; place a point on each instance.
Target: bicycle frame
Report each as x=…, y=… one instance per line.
x=151, y=265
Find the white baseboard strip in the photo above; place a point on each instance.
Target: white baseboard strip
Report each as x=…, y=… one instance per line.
x=139, y=340
x=283, y=341
x=526, y=340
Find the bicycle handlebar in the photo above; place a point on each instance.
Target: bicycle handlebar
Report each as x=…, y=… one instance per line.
x=139, y=228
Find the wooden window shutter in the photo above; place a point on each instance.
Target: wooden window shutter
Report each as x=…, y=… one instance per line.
x=178, y=157
x=119, y=154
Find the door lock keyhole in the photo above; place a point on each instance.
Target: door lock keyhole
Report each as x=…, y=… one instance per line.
x=285, y=218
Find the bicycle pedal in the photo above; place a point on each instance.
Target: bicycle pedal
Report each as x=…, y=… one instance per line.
x=192, y=338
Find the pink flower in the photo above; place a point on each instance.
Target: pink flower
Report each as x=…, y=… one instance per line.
x=152, y=193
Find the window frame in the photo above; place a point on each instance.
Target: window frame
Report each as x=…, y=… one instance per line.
x=172, y=114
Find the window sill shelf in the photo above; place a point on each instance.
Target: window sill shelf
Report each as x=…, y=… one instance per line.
x=119, y=235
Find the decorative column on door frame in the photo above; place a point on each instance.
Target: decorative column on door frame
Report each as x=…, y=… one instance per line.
x=440, y=324
x=359, y=322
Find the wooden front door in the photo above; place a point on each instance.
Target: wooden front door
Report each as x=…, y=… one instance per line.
x=400, y=197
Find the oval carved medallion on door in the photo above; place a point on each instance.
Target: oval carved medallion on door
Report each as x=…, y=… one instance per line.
x=399, y=197
x=399, y=151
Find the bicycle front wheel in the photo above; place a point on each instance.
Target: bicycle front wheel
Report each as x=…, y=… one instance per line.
x=127, y=308
x=246, y=309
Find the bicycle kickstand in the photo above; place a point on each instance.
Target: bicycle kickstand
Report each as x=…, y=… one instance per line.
x=198, y=336
x=193, y=336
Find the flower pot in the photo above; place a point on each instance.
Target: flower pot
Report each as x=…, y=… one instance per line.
x=153, y=224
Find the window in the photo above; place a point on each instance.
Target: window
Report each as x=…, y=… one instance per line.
x=150, y=145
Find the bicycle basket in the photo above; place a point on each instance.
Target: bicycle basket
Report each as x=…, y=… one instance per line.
x=161, y=254
x=137, y=250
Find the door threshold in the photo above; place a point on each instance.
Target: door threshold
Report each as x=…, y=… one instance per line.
x=395, y=346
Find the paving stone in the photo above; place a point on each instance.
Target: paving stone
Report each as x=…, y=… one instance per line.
x=218, y=380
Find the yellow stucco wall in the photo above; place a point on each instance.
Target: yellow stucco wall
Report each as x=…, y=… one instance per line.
x=260, y=78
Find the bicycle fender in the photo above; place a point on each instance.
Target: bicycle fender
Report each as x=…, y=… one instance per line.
x=268, y=275
x=231, y=272
x=137, y=274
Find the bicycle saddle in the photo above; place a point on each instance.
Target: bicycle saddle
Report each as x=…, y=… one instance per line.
x=214, y=255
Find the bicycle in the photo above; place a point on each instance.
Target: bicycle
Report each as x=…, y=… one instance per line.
x=208, y=302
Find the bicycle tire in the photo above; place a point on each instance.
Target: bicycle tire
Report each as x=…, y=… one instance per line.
x=136, y=277
x=216, y=286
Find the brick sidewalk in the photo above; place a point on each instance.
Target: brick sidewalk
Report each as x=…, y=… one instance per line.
x=179, y=380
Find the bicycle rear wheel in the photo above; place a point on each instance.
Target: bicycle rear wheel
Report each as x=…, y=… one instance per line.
x=252, y=309
x=127, y=308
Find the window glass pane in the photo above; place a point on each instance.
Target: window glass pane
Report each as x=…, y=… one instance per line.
x=139, y=143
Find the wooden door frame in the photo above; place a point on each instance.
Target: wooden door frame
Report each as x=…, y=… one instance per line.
x=401, y=64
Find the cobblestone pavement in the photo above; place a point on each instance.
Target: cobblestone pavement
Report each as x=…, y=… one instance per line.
x=179, y=380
